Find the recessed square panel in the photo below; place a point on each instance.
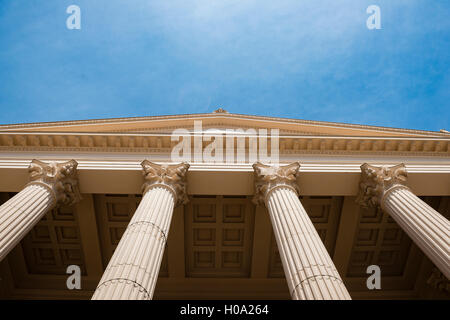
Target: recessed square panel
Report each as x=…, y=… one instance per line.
x=231, y=259
x=70, y=256
x=387, y=257
x=392, y=236
x=67, y=234
x=118, y=211
x=44, y=256
x=204, y=259
x=361, y=258
x=204, y=237
x=233, y=213
x=40, y=234
x=63, y=214
x=370, y=215
x=204, y=212
x=367, y=237
x=318, y=212
x=233, y=237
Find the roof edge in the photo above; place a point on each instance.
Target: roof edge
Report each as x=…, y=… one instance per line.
x=220, y=115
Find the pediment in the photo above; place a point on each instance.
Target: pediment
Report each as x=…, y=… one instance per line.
x=220, y=121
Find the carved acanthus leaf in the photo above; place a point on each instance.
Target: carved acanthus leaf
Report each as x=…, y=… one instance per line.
x=438, y=281
x=376, y=181
x=61, y=178
x=173, y=176
x=268, y=177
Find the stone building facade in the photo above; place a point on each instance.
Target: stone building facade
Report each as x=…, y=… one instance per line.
x=223, y=218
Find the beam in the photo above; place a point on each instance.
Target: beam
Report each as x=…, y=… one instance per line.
x=261, y=243
x=332, y=179
x=89, y=236
x=346, y=235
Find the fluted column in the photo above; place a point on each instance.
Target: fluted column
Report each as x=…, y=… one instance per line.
x=309, y=270
x=385, y=186
x=134, y=267
x=50, y=185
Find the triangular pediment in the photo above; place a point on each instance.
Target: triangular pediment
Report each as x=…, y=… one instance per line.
x=221, y=121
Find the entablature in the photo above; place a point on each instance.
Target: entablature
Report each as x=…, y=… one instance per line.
x=319, y=178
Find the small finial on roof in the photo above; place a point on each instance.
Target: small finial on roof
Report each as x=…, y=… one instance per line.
x=220, y=110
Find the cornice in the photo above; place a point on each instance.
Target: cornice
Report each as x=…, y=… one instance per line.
x=222, y=116
x=161, y=143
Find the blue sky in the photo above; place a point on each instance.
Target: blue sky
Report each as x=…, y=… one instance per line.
x=306, y=59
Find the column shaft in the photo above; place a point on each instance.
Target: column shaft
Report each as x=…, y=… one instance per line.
x=20, y=213
x=133, y=270
x=386, y=187
x=309, y=270
x=134, y=267
x=51, y=184
x=424, y=225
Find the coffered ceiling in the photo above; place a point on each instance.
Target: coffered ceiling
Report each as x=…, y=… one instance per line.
x=219, y=247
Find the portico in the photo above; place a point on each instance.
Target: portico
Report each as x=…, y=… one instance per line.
x=343, y=197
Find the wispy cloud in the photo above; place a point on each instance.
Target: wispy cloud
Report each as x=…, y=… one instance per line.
x=305, y=59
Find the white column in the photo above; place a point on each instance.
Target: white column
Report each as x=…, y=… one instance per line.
x=50, y=185
x=309, y=270
x=430, y=231
x=134, y=267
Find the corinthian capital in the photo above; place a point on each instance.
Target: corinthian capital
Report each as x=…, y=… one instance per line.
x=170, y=176
x=269, y=177
x=376, y=181
x=59, y=178
x=438, y=281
